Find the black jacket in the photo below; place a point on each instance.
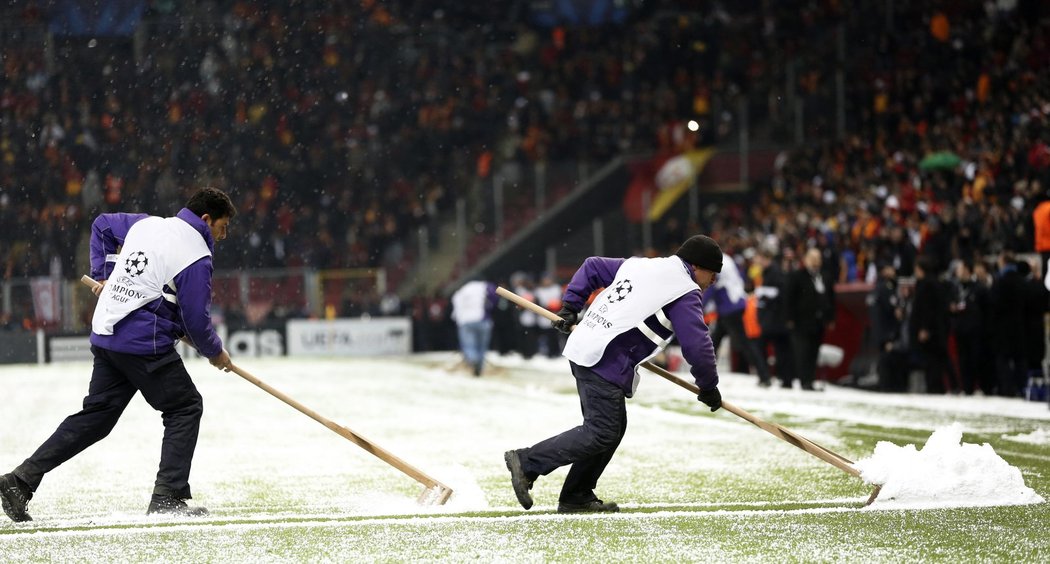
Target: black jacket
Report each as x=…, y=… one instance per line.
x=885, y=326
x=930, y=313
x=771, y=301
x=805, y=308
x=971, y=308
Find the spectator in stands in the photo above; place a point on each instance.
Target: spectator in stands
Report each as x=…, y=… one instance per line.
x=929, y=327
x=1041, y=227
x=771, y=313
x=505, y=327
x=1035, y=308
x=969, y=310
x=1008, y=323
x=528, y=322
x=548, y=295
x=898, y=251
x=810, y=303
x=728, y=298
x=886, y=321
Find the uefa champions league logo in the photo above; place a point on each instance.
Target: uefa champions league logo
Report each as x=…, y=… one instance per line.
x=136, y=264
x=620, y=291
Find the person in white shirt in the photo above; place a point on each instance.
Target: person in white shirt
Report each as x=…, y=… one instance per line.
x=472, y=311
x=548, y=295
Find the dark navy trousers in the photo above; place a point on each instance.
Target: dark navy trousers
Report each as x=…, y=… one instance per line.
x=588, y=447
x=115, y=379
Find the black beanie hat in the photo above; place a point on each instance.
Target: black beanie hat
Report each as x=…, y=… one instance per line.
x=701, y=251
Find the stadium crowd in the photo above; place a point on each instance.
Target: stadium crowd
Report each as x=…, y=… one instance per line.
x=340, y=127
x=936, y=190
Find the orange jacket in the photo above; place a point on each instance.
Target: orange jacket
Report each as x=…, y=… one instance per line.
x=1041, y=219
x=751, y=326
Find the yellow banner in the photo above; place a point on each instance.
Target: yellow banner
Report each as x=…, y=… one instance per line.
x=675, y=177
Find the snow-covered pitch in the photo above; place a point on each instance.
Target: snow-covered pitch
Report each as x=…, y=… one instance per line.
x=282, y=487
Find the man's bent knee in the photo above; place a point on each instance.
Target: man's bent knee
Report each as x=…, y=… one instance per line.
x=192, y=408
x=601, y=439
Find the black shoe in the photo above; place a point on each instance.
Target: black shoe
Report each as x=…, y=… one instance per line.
x=521, y=484
x=168, y=505
x=764, y=383
x=15, y=495
x=593, y=506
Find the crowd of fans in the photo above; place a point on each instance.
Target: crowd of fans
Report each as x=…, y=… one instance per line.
x=340, y=127
x=987, y=116
x=933, y=191
x=336, y=127
x=978, y=326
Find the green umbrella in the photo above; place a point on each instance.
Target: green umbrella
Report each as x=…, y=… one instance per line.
x=940, y=159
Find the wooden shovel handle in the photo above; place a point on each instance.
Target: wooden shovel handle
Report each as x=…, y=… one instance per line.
x=774, y=429
x=348, y=434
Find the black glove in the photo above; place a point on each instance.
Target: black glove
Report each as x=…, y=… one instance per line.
x=568, y=319
x=712, y=398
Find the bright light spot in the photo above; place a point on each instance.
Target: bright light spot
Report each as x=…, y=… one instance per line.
x=693, y=126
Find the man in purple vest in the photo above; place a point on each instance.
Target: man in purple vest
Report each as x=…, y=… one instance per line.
x=156, y=275
x=645, y=303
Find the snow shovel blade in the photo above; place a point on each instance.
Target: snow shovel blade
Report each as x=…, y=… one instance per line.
x=874, y=494
x=437, y=494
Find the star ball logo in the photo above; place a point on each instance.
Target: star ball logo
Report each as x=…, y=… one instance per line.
x=620, y=291
x=136, y=263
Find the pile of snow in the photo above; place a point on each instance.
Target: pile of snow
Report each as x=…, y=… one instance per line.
x=1038, y=437
x=945, y=473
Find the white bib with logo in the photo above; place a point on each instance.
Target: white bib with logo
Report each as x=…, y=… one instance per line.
x=155, y=250
x=642, y=287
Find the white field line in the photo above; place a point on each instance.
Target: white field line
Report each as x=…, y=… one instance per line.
x=321, y=521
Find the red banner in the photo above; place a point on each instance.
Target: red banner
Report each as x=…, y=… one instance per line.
x=46, y=303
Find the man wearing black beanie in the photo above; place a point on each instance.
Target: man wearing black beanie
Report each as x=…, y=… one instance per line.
x=701, y=251
x=644, y=304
